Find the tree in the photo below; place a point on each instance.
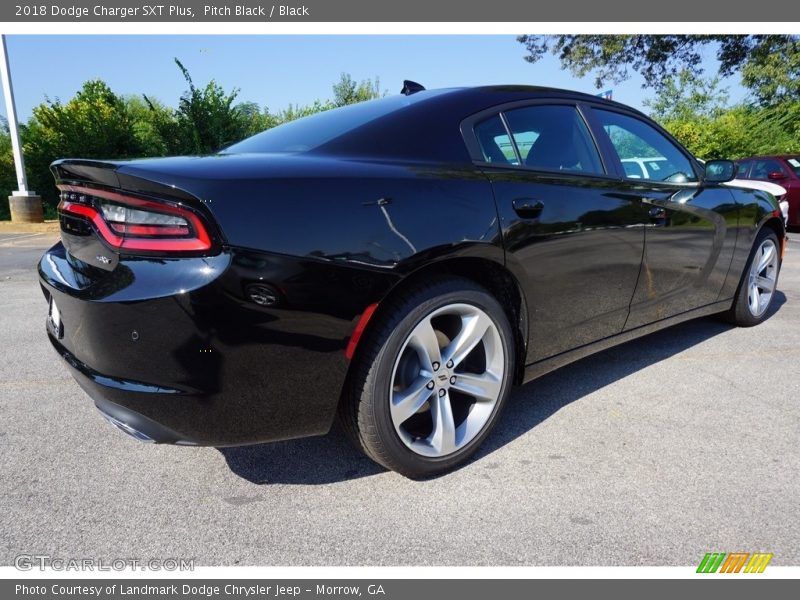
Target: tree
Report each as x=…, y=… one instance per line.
x=768, y=64
x=772, y=70
x=296, y=111
x=741, y=131
x=206, y=119
x=256, y=119
x=686, y=96
x=347, y=91
x=95, y=123
x=150, y=119
x=695, y=111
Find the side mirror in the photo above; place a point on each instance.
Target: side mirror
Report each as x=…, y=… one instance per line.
x=776, y=175
x=720, y=171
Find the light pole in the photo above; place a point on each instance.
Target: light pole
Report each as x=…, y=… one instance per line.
x=25, y=205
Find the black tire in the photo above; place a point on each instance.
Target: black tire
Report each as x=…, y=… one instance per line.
x=365, y=411
x=740, y=313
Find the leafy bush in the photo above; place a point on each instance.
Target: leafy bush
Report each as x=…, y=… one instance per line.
x=97, y=123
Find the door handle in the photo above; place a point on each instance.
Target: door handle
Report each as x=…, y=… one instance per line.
x=528, y=208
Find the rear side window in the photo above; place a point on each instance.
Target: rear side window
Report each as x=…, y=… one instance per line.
x=638, y=142
x=495, y=144
x=552, y=138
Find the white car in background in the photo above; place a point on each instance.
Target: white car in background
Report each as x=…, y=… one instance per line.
x=649, y=168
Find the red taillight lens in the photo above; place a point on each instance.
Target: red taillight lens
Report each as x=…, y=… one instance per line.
x=135, y=224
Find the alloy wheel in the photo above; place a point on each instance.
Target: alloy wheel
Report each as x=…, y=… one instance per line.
x=447, y=380
x=762, y=278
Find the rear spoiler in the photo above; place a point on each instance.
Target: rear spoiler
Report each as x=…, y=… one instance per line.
x=104, y=173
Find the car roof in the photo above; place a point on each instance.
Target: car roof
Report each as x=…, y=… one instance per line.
x=773, y=156
x=501, y=94
x=436, y=112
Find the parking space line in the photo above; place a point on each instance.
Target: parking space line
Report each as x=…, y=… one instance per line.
x=12, y=241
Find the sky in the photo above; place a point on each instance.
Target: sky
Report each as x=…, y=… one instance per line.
x=276, y=71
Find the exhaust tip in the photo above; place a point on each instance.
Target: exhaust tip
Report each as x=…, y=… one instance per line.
x=140, y=427
x=125, y=428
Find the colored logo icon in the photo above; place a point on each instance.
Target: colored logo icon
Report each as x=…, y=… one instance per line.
x=734, y=562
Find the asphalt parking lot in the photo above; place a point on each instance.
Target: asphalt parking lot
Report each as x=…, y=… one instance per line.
x=652, y=453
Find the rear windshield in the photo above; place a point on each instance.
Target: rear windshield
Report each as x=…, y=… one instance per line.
x=311, y=132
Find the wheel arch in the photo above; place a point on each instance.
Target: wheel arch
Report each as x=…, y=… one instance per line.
x=772, y=221
x=776, y=224
x=486, y=272
x=763, y=212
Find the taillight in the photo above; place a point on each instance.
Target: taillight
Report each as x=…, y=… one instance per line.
x=136, y=224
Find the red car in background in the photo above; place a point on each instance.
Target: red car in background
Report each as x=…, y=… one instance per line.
x=783, y=170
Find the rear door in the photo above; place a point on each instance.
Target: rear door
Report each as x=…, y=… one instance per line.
x=691, y=230
x=573, y=240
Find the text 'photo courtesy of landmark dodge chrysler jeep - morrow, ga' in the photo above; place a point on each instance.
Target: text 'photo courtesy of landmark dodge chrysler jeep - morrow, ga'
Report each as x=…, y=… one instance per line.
x=400, y=263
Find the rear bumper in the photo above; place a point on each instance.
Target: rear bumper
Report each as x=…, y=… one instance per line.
x=113, y=395
x=173, y=352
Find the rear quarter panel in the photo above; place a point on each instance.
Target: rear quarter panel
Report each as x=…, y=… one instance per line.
x=330, y=239
x=756, y=207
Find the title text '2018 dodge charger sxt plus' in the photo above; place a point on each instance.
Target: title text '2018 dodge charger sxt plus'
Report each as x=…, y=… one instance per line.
x=401, y=262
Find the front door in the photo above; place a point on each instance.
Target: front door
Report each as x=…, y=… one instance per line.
x=691, y=230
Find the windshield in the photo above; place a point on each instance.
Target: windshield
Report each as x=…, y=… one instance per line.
x=311, y=132
x=794, y=164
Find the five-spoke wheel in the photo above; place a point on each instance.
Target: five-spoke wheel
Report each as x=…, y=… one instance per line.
x=431, y=377
x=757, y=288
x=763, y=277
x=447, y=379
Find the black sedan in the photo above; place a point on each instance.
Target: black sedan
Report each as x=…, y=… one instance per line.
x=401, y=263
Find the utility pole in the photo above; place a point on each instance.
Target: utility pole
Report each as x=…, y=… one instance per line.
x=25, y=205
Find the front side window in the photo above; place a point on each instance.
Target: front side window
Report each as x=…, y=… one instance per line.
x=633, y=169
x=763, y=167
x=655, y=156
x=794, y=164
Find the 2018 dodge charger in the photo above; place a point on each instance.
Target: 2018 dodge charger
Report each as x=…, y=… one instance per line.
x=401, y=262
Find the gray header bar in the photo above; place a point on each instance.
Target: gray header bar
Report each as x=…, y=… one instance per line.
x=320, y=11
